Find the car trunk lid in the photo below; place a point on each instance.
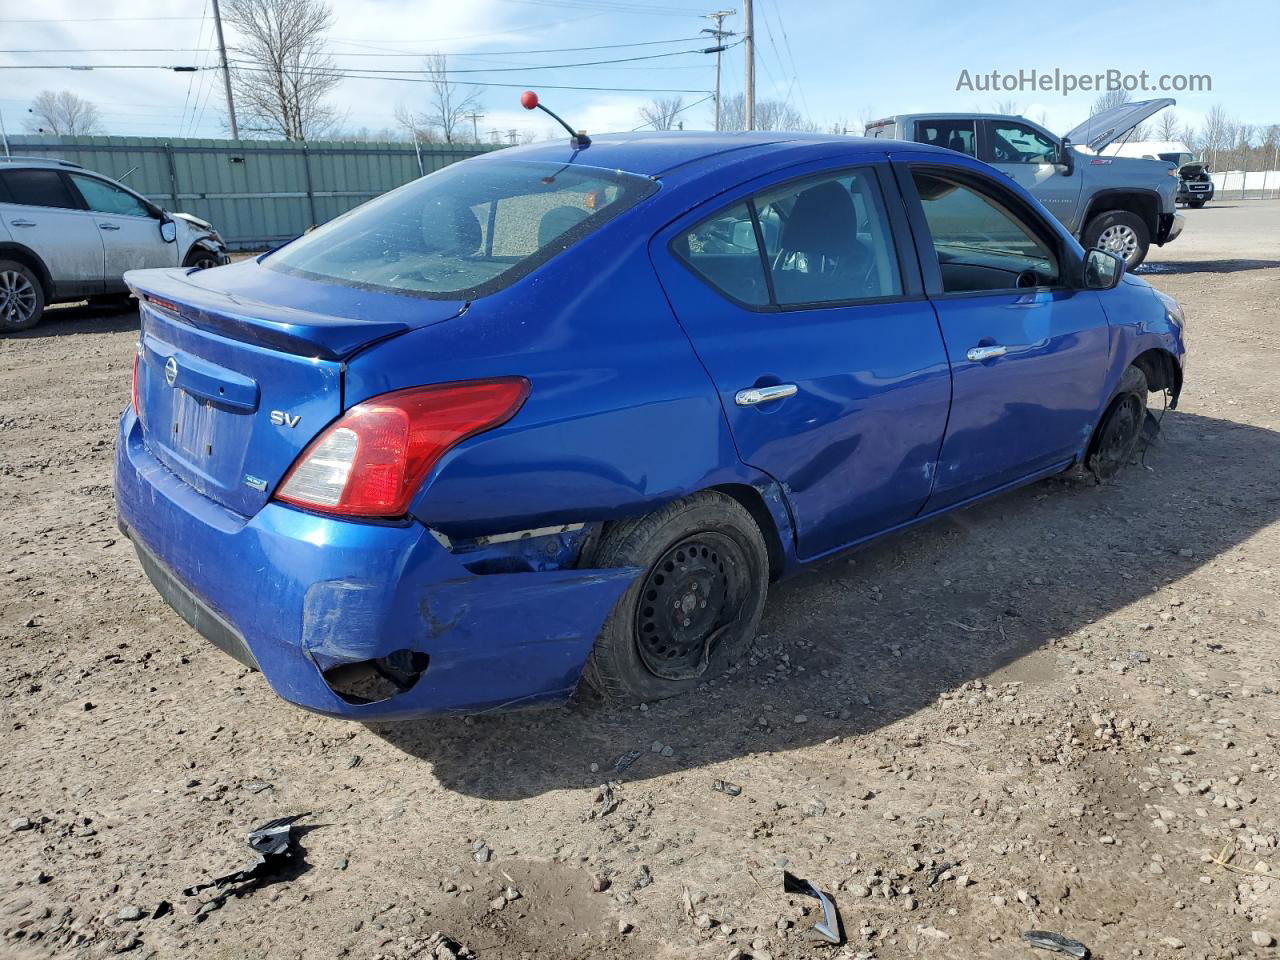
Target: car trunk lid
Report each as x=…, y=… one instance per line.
x=232, y=388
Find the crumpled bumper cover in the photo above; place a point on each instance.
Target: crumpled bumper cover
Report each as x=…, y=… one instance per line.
x=300, y=593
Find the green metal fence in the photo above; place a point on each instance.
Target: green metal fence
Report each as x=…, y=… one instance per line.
x=257, y=193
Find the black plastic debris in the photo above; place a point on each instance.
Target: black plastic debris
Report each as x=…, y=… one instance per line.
x=1045, y=940
x=626, y=760
x=274, y=846
x=727, y=788
x=829, y=928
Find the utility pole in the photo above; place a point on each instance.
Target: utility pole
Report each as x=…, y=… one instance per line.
x=4, y=136
x=226, y=72
x=511, y=136
x=475, y=119
x=749, y=54
x=720, y=34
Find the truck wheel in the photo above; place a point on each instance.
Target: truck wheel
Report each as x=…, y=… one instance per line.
x=21, y=297
x=693, y=610
x=1116, y=438
x=1119, y=232
x=1195, y=204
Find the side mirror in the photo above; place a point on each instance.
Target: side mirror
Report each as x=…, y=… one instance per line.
x=168, y=231
x=1102, y=270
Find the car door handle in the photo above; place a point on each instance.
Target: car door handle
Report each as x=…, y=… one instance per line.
x=758, y=395
x=978, y=354
x=22, y=223
x=108, y=226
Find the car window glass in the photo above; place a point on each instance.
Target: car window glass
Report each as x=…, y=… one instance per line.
x=953, y=134
x=39, y=188
x=724, y=252
x=102, y=197
x=980, y=245
x=827, y=239
x=466, y=230
x=1017, y=143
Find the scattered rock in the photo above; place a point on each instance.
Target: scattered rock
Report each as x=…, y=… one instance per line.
x=1262, y=938
x=18, y=824
x=130, y=913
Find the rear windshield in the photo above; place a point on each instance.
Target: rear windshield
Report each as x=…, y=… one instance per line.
x=464, y=231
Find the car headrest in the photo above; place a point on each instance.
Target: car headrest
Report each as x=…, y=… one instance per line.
x=822, y=221
x=558, y=220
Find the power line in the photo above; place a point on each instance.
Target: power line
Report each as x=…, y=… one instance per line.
x=504, y=53
x=86, y=19
x=418, y=78
x=674, y=113
x=522, y=68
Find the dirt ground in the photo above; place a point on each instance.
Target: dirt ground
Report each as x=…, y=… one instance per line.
x=1051, y=711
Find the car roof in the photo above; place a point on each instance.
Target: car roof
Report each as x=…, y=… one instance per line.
x=10, y=162
x=899, y=117
x=656, y=154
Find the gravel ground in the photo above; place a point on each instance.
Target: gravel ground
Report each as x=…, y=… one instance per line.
x=1058, y=710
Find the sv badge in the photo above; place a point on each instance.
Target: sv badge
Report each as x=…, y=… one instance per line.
x=282, y=419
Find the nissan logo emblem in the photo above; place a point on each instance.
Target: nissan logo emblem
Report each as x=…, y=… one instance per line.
x=171, y=371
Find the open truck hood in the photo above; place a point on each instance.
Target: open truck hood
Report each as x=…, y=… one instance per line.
x=1103, y=129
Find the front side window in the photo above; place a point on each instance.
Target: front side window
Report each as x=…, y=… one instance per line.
x=1018, y=143
x=955, y=135
x=467, y=230
x=826, y=240
x=981, y=245
x=102, y=197
x=39, y=188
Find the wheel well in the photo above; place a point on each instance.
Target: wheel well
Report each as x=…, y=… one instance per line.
x=753, y=502
x=1162, y=372
x=1146, y=206
x=29, y=260
x=196, y=248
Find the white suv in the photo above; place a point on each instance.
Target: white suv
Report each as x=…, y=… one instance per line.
x=67, y=233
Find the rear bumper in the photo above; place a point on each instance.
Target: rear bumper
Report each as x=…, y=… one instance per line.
x=1170, y=227
x=296, y=595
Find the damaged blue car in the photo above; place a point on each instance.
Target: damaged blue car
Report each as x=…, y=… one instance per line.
x=561, y=413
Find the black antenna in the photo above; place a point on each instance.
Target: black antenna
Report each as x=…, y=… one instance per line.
x=529, y=100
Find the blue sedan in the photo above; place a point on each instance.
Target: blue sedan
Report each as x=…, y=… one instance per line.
x=563, y=412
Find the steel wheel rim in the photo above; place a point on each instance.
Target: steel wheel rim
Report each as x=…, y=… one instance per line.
x=1119, y=239
x=1122, y=430
x=17, y=298
x=204, y=263
x=689, y=597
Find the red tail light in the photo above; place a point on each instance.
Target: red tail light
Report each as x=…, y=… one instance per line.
x=133, y=390
x=371, y=461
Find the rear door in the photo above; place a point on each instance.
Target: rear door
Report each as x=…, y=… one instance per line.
x=42, y=212
x=130, y=232
x=954, y=133
x=1028, y=351
x=810, y=319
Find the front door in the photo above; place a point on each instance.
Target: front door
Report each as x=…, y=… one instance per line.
x=1030, y=158
x=827, y=358
x=130, y=232
x=43, y=214
x=1028, y=351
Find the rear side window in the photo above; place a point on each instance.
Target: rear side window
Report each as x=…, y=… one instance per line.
x=467, y=230
x=953, y=134
x=38, y=188
x=724, y=252
x=826, y=240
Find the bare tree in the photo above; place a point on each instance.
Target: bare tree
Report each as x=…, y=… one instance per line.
x=448, y=103
x=1112, y=98
x=63, y=114
x=1167, y=125
x=282, y=74
x=416, y=125
x=769, y=115
x=660, y=112
x=1007, y=107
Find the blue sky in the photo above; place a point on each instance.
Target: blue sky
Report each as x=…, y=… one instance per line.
x=838, y=62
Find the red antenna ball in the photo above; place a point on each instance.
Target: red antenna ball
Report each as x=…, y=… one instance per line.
x=529, y=100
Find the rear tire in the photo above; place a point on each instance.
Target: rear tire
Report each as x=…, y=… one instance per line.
x=202, y=259
x=1119, y=232
x=1120, y=429
x=694, y=609
x=21, y=297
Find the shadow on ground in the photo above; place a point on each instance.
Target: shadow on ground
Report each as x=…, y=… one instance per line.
x=902, y=620
x=1205, y=266
x=77, y=318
